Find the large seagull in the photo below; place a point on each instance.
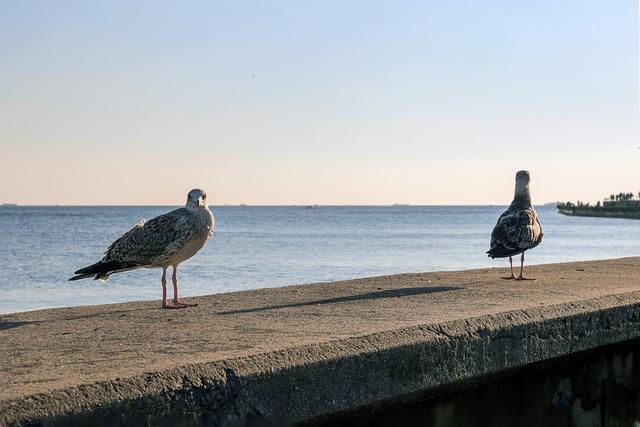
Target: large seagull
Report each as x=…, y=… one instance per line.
x=518, y=228
x=162, y=242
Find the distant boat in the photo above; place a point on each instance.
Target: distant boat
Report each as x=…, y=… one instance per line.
x=8, y=205
x=400, y=204
x=624, y=205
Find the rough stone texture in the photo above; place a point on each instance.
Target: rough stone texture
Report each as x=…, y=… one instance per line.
x=285, y=355
x=593, y=388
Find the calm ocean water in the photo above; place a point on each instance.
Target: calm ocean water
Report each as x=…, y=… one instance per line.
x=259, y=247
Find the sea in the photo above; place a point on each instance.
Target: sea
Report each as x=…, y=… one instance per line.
x=273, y=246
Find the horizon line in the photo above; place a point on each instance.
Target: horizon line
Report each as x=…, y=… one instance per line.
x=303, y=205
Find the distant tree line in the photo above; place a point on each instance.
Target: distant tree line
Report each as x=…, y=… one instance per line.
x=623, y=197
x=620, y=197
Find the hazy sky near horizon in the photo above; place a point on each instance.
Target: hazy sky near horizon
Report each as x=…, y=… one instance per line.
x=332, y=102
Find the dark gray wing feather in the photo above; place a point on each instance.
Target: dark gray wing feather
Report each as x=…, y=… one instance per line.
x=516, y=231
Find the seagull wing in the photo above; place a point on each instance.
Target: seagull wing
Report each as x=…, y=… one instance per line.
x=515, y=232
x=147, y=243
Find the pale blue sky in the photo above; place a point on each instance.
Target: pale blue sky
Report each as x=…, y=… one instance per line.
x=333, y=102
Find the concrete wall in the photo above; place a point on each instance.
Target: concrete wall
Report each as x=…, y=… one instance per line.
x=384, y=369
x=595, y=388
x=314, y=355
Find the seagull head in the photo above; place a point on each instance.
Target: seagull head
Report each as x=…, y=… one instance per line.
x=197, y=198
x=522, y=182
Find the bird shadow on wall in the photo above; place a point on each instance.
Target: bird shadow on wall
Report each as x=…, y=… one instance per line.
x=9, y=325
x=392, y=293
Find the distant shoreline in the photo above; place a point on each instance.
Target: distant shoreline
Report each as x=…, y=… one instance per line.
x=303, y=206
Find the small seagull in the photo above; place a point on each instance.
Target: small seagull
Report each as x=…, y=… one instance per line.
x=518, y=228
x=162, y=242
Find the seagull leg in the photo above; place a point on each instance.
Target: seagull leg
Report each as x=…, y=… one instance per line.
x=521, y=277
x=512, y=275
x=176, y=301
x=164, y=289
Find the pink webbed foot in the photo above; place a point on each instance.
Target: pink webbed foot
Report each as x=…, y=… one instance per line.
x=184, y=304
x=178, y=304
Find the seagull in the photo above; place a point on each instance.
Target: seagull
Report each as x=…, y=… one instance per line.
x=518, y=228
x=162, y=242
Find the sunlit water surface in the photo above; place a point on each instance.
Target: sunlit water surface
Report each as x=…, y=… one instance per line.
x=260, y=247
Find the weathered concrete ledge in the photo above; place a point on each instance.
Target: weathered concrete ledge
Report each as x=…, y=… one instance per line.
x=300, y=353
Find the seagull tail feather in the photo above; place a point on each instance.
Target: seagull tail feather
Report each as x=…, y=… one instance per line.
x=102, y=269
x=501, y=251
